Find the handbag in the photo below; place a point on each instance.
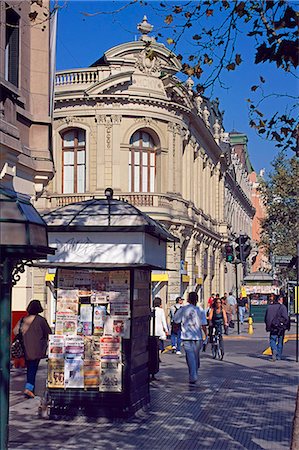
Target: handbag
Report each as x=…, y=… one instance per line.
x=17, y=346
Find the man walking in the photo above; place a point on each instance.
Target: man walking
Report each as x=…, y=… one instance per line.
x=175, y=336
x=193, y=320
x=242, y=305
x=277, y=321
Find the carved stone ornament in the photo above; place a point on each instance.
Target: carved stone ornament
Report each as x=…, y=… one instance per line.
x=71, y=119
x=147, y=62
x=199, y=102
x=206, y=115
x=145, y=120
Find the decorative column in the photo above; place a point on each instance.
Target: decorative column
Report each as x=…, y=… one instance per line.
x=117, y=170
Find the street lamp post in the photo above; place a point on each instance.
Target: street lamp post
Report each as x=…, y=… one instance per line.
x=23, y=238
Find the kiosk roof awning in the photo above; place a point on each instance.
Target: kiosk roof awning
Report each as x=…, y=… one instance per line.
x=104, y=215
x=94, y=266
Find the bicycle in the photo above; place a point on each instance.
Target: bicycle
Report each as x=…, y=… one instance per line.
x=217, y=346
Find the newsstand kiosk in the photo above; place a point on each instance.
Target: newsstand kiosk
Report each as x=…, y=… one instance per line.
x=98, y=360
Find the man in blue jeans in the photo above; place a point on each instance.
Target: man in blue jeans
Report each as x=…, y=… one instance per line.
x=277, y=321
x=193, y=321
x=175, y=336
x=242, y=305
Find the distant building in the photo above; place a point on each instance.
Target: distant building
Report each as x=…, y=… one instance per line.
x=129, y=123
x=261, y=260
x=26, y=163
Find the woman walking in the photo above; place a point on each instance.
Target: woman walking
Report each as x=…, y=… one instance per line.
x=35, y=331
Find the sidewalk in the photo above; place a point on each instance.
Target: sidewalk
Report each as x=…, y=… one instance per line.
x=242, y=402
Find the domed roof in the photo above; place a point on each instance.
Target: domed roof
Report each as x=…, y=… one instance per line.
x=100, y=214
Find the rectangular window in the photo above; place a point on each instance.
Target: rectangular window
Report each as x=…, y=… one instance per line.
x=11, y=70
x=74, y=161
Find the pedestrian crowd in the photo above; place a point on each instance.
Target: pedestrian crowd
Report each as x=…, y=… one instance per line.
x=192, y=327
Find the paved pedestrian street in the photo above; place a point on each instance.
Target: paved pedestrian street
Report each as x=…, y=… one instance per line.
x=243, y=402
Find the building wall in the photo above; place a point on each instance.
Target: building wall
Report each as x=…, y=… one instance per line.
x=261, y=262
x=26, y=163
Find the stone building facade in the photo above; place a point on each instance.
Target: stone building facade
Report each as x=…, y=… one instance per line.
x=26, y=163
x=127, y=122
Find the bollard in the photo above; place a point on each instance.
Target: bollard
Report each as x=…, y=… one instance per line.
x=250, y=325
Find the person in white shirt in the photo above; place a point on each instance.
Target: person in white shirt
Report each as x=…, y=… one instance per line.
x=232, y=303
x=193, y=321
x=160, y=327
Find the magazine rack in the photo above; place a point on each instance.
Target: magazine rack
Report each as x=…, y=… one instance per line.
x=99, y=362
x=112, y=367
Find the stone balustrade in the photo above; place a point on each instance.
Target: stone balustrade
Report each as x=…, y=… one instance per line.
x=79, y=76
x=151, y=202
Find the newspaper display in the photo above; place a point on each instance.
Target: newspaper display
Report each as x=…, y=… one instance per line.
x=67, y=300
x=56, y=373
x=92, y=318
x=110, y=377
x=85, y=320
x=56, y=346
x=92, y=349
x=99, y=317
x=110, y=347
x=121, y=327
x=74, y=345
x=66, y=323
x=73, y=372
x=91, y=373
x=119, y=293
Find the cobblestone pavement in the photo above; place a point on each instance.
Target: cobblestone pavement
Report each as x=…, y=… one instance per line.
x=242, y=402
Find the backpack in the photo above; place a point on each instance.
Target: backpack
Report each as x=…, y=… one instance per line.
x=175, y=327
x=280, y=323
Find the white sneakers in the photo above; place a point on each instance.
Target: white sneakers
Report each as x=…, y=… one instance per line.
x=178, y=353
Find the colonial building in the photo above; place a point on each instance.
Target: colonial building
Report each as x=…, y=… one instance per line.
x=127, y=122
x=26, y=163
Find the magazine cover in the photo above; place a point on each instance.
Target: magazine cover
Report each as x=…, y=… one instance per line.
x=110, y=376
x=73, y=372
x=56, y=346
x=110, y=347
x=74, y=345
x=119, y=303
x=99, y=317
x=92, y=348
x=56, y=373
x=66, y=323
x=67, y=300
x=121, y=327
x=91, y=373
x=85, y=320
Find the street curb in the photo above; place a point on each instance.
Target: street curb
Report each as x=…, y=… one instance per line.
x=295, y=432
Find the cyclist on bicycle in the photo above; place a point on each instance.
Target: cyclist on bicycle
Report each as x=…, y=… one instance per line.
x=217, y=319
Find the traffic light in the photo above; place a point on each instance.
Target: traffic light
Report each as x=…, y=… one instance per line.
x=229, y=253
x=243, y=247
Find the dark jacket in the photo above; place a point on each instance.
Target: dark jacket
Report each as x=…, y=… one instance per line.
x=36, y=339
x=274, y=311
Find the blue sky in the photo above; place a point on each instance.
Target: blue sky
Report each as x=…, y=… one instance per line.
x=82, y=39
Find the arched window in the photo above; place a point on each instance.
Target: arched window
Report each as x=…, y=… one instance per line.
x=142, y=163
x=73, y=161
